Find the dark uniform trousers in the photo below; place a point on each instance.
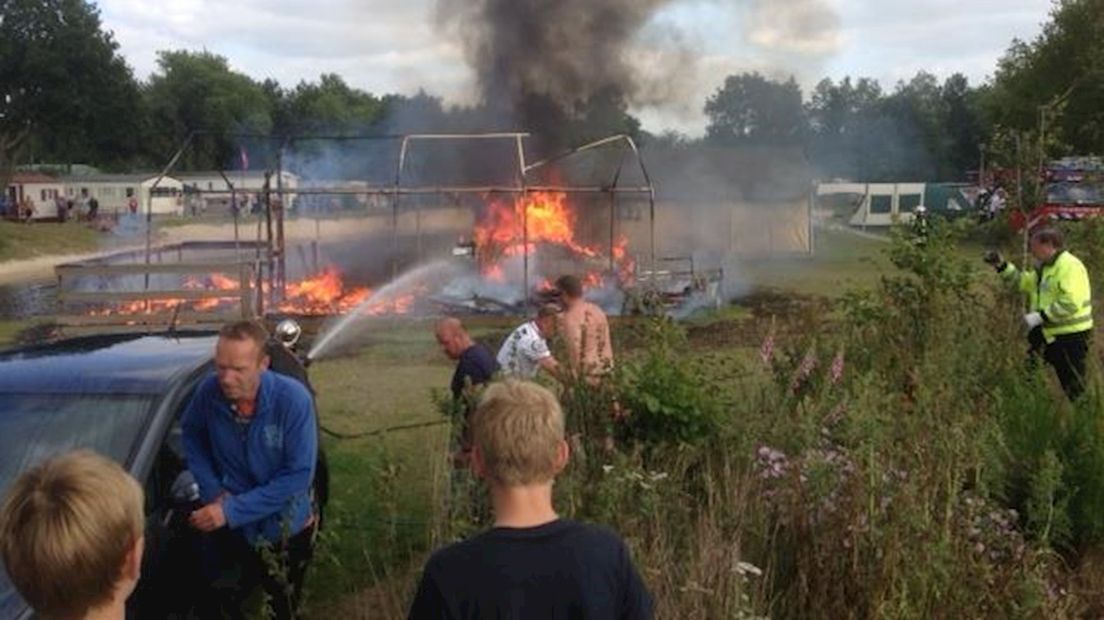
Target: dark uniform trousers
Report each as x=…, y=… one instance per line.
x=1067, y=355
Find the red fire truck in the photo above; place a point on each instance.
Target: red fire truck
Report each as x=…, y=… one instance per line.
x=1074, y=189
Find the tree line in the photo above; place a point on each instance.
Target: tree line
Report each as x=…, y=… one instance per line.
x=68, y=96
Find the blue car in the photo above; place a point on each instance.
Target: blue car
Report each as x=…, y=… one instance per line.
x=122, y=396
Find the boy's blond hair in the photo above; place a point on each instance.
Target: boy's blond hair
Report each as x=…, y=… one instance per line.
x=65, y=530
x=518, y=427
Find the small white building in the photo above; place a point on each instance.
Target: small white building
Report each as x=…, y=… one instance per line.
x=217, y=194
x=36, y=189
x=346, y=194
x=128, y=193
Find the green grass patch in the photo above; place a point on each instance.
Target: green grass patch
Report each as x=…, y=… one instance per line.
x=19, y=241
x=842, y=260
x=384, y=486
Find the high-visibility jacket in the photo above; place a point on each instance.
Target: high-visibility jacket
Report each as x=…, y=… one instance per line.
x=1060, y=291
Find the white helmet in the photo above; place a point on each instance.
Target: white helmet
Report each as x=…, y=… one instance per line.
x=288, y=332
x=921, y=209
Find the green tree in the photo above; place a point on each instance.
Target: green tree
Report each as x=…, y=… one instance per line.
x=915, y=114
x=842, y=120
x=64, y=89
x=1062, y=70
x=332, y=106
x=751, y=109
x=922, y=131
x=964, y=124
x=198, y=92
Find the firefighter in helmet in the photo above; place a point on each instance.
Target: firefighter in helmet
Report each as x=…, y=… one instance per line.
x=920, y=225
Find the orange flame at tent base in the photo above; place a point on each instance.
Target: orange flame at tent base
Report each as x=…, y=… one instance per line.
x=510, y=229
x=323, y=294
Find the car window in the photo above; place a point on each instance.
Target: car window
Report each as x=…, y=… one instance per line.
x=34, y=427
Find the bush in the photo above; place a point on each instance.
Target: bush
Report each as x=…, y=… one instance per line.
x=665, y=398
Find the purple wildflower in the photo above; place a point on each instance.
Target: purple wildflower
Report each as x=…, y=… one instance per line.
x=836, y=372
x=771, y=463
x=766, y=350
x=804, y=371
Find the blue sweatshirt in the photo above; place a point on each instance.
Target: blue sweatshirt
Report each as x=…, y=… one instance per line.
x=266, y=465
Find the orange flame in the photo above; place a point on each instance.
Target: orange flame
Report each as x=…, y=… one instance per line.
x=215, y=281
x=322, y=294
x=399, y=305
x=494, y=273
x=325, y=293
x=547, y=216
x=550, y=221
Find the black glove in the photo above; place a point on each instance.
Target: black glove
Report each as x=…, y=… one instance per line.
x=993, y=259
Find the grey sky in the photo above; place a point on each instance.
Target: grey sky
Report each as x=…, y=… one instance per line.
x=393, y=46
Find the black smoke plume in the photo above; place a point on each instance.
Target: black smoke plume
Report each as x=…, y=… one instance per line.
x=543, y=62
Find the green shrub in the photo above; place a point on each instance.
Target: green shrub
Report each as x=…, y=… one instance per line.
x=665, y=397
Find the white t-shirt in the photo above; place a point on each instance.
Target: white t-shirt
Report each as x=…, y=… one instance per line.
x=522, y=352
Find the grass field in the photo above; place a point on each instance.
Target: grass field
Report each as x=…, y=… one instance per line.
x=379, y=524
x=842, y=260
x=385, y=485
x=19, y=241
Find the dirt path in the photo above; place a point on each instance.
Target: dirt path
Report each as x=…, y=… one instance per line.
x=41, y=268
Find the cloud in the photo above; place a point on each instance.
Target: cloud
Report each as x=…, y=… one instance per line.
x=805, y=27
x=377, y=45
x=393, y=46
x=938, y=36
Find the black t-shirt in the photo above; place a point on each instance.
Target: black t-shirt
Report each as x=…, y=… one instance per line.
x=476, y=366
x=561, y=570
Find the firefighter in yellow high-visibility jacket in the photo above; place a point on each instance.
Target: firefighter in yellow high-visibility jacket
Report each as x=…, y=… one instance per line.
x=1059, y=316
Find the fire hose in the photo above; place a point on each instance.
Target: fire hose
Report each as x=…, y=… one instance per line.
x=382, y=431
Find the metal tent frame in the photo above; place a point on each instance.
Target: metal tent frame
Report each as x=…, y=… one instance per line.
x=274, y=244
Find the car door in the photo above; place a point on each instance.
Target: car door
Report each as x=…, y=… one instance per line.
x=173, y=566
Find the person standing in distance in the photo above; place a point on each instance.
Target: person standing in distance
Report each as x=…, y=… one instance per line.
x=1059, y=318
x=585, y=330
x=525, y=351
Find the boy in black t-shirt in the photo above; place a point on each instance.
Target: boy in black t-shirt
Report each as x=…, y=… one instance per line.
x=531, y=564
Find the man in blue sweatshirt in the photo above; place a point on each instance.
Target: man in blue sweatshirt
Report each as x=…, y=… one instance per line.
x=251, y=442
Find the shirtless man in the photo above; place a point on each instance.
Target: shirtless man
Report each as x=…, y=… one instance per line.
x=585, y=331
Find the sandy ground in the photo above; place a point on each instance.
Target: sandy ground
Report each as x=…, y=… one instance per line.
x=41, y=268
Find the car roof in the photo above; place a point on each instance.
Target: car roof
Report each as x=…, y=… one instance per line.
x=105, y=364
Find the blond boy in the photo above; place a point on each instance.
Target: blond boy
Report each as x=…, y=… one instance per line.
x=71, y=537
x=531, y=563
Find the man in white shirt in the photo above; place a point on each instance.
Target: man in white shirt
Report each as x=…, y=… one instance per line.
x=525, y=351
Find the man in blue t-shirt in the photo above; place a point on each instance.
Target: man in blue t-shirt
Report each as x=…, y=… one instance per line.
x=531, y=564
